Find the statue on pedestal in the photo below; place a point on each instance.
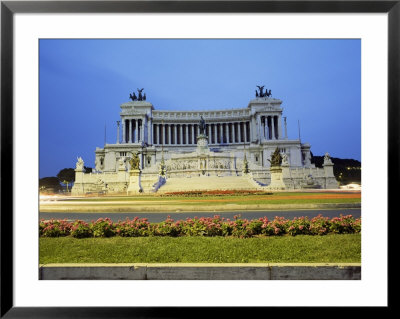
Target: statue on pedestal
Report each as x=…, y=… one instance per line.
x=285, y=160
x=134, y=162
x=276, y=158
x=121, y=165
x=79, y=164
x=202, y=126
x=327, y=159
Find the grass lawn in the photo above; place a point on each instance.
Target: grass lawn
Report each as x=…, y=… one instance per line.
x=286, y=249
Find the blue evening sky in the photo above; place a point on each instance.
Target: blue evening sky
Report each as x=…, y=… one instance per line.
x=84, y=82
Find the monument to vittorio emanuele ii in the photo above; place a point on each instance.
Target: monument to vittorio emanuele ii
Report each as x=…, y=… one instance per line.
x=166, y=151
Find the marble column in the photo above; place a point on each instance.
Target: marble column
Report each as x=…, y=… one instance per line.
x=273, y=127
x=221, y=132
x=227, y=132
x=192, y=134
x=245, y=131
x=285, y=128
x=233, y=133
x=118, y=132
x=123, y=132
x=160, y=134
x=180, y=134
x=142, y=130
x=259, y=129
x=164, y=134
x=169, y=134
x=209, y=134
x=279, y=127
x=175, y=134
x=252, y=125
x=266, y=131
x=215, y=133
x=150, y=131
x=136, y=126
x=239, y=133
x=130, y=131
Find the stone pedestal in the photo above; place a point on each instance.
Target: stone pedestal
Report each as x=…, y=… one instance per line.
x=202, y=144
x=134, y=182
x=330, y=180
x=78, y=188
x=276, y=178
x=286, y=177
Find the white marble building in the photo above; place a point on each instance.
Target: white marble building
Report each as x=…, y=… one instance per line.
x=251, y=132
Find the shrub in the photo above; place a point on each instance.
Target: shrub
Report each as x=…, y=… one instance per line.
x=255, y=227
x=319, y=225
x=278, y=226
x=357, y=225
x=103, y=228
x=298, y=226
x=133, y=228
x=80, y=229
x=54, y=228
x=240, y=228
x=343, y=224
x=166, y=228
x=204, y=226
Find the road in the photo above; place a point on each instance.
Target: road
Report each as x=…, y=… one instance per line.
x=155, y=217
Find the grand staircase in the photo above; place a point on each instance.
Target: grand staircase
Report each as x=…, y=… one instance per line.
x=149, y=183
x=181, y=184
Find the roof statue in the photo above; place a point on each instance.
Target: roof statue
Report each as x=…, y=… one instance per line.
x=261, y=92
x=139, y=97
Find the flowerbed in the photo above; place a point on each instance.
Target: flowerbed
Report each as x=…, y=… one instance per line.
x=216, y=193
x=204, y=226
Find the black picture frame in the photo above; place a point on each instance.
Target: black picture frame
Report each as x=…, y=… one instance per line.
x=9, y=8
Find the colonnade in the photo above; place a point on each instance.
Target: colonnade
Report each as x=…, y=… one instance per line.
x=186, y=134
x=270, y=128
x=135, y=131
x=132, y=131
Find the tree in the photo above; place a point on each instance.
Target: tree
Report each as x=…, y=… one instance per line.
x=50, y=183
x=66, y=176
x=88, y=169
x=345, y=170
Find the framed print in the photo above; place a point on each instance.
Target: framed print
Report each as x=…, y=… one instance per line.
x=100, y=45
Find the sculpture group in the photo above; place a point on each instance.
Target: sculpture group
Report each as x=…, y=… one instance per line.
x=134, y=162
x=261, y=92
x=276, y=158
x=140, y=97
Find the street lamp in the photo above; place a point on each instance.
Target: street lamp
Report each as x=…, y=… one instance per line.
x=66, y=182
